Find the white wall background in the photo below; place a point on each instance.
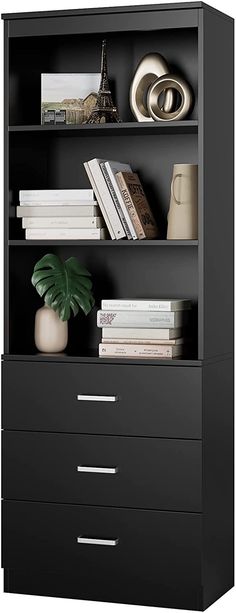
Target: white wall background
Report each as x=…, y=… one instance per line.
x=21, y=603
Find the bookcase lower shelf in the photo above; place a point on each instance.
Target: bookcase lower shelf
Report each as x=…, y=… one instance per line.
x=93, y=358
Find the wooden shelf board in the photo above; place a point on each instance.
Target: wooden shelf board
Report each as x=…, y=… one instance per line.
x=93, y=358
x=130, y=127
x=104, y=243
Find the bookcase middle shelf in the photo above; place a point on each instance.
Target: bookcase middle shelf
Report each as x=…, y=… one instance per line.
x=105, y=243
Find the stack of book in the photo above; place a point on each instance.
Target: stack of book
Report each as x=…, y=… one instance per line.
x=60, y=214
x=144, y=328
x=122, y=200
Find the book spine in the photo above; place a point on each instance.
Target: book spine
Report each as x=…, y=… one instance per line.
x=157, y=334
x=138, y=319
x=130, y=206
x=62, y=222
x=105, y=197
x=118, y=201
x=100, y=201
x=142, y=351
x=54, y=195
x=71, y=234
x=43, y=203
x=60, y=211
x=140, y=341
x=137, y=305
x=115, y=200
x=112, y=171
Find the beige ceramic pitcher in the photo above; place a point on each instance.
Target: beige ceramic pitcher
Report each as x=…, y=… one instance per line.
x=182, y=216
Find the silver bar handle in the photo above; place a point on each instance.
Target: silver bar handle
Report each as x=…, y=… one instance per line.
x=83, y=540
x=94, y=398
x=103, y=470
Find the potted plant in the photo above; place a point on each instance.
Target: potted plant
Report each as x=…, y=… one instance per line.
x=66, y=288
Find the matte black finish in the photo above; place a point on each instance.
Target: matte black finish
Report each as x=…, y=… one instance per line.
x=216, y=188
x=151, y=473
x=170, y=432
x=218, y=480
x=163, y=402
x=154, y=549
x=103, y=23
x=130, y=127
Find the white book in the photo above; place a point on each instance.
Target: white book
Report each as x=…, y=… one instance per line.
x=144, y=341
x=146, y=305
x=62, y=222
x=109, y=169
x=56, y=202
x=104, y=198
x=55, y=194
x=139, y=351
x=71, y=234
x=147, y=334
x=141, y=319
x=103, y=210
x=58, y=211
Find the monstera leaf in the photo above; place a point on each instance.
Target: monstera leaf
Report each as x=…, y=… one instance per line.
x=65, y=286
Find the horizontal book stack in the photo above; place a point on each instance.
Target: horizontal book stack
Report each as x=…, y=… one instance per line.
x=60, y=214
x=122, y=200
x=144, y=328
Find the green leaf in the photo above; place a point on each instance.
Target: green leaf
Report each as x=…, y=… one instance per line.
x=65, y=286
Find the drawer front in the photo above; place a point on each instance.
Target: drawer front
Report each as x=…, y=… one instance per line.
x=162, y=401
x=101, y=470
x=118, y=554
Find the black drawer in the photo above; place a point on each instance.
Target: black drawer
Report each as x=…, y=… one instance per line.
x=139, y=400
x=145, y=554
x=125, y=471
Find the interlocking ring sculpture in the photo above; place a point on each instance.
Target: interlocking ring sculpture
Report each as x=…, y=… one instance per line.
x=153, y=79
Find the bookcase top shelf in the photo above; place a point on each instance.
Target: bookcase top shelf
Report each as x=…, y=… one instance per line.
x=130, y=127
x=104, y=243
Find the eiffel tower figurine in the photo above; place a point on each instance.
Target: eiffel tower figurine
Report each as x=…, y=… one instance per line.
x=104, y=110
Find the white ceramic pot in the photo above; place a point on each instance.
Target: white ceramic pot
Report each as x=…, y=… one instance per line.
x=183, y=211
x=50, y=333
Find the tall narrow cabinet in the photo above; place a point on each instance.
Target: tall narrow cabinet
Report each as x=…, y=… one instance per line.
x=157, y=529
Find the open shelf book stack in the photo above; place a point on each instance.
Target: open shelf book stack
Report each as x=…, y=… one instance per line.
x=144, y=328
x=122, y=200
x=60, y=214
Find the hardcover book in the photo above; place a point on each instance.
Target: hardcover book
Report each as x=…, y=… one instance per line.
x=104, y=198
x=110, y=169
x=139, y=341
x=62, y=222
x=71, y=234
x=146, y=305
x=141, y=319
x=137, y=205
x=55, y=195
x=90, y=210
x=139, y=351
x=141, y=333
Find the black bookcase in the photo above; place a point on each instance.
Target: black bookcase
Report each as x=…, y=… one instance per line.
x=160, y=524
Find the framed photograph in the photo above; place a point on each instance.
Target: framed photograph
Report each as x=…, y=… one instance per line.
x=73, y=93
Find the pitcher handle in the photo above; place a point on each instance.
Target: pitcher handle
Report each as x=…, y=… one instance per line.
x=173, y=188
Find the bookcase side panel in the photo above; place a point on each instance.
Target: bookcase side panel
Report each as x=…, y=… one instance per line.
x=6, y=187
x=218, y=480
x=215, y=185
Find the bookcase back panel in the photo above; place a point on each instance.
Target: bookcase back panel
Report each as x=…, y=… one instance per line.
x=48, y=161
x=117, y=273
x=31, y=56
